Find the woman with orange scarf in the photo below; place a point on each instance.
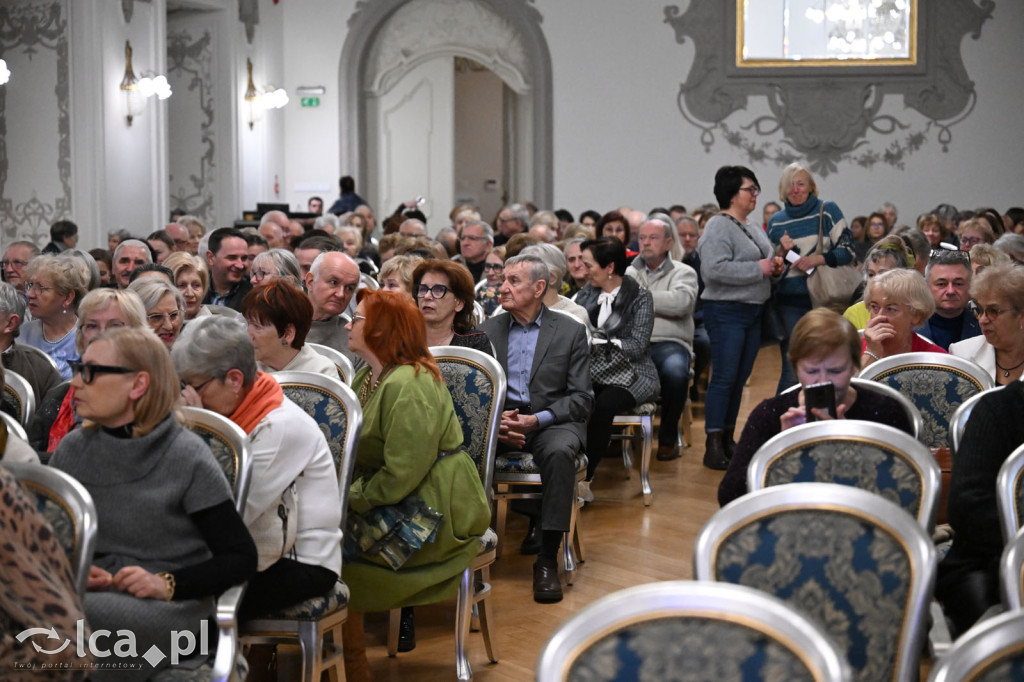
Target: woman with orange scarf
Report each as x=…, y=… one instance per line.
x=293, y=473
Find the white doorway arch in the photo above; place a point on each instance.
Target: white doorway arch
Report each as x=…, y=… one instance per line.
x=388, y=39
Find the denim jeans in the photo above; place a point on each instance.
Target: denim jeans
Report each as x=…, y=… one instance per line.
x=735, y=332
x=791, y=314
x=673, y=363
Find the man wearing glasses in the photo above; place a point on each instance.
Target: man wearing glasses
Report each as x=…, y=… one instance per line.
x=15, y=261
x=949, y=278
x=476, y=242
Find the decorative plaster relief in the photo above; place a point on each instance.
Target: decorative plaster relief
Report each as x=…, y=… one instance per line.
x=825, y=113
x=190, y=64
x=34, y=28
x=420, y=31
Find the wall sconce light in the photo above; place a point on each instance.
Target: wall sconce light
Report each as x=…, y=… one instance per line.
x=5, y=73
x=138, y=90
x=259, y=99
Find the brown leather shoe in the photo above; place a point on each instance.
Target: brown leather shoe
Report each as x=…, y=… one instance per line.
x=546, y=587
x=667, y=453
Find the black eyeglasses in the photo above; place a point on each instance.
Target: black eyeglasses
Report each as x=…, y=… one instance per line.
x=498, y=267
x=89, y=370
x=753, y=189
x=437, y=291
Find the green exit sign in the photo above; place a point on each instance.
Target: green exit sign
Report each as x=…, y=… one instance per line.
x=310, y=101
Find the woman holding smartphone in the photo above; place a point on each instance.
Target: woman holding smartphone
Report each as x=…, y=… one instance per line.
x=824, y=349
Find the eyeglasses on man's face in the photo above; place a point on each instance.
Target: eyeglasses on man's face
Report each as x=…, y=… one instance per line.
x=13, y=262
x=436, y=291
x=89, y=370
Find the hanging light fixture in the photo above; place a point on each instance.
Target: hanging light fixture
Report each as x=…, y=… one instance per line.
x=137, y=90
x=5, y=73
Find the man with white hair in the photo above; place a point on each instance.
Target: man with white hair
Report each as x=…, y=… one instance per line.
x=129, y=254
x=273, y=228
x=331, y=282
x=673, y=287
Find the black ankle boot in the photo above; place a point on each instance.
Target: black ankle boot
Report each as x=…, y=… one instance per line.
x=407, y=630
x=714, y=452
x=728, y=444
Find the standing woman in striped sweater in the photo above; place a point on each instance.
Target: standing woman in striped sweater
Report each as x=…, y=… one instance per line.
x=795, y=228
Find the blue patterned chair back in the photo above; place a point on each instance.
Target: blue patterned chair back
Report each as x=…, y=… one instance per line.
x=880, y=459
x=474, y=379
x=1010, y=493
x=855, y=563
x=936, y=383
x=335, y=408
x=68, y=507
x=713, y=631
x=229, y=445
x=991, y=651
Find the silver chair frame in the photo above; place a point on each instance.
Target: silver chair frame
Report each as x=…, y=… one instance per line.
x=340, y=360
x=886, y=366
x=22, y=390
x=1007, y=483
x=310, y=633
x=879, y=435
x=14, y=426
x=958, y=422
x=980, y=648
x=40, y=352
x=1011, y=573
x=77, y=502
x=691, y=599
x=857, y=503
x=866, y=385
x=646, y=424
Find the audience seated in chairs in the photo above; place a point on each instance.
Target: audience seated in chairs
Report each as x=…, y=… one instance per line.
x=824, y=347
x=673, y=287
x=158, y=568
x=101, y=309
x=279, y=314
x=444, y=294
x=299, y=556
x=411, y=472
x=968, y=578
x=25, y=360
x=546, y=406
x=998, y=302
x=622, y=317
x=897, y=302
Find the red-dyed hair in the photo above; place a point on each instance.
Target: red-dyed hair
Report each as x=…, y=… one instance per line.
x=394, y=330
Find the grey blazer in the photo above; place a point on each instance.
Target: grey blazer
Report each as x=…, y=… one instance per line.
x=560, y=376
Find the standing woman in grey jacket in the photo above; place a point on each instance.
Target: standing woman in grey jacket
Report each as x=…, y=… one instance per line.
x=737, y=266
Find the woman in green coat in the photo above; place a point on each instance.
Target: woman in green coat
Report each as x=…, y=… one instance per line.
x=417, y=507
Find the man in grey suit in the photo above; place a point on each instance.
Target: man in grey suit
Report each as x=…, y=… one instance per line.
x=546, y=359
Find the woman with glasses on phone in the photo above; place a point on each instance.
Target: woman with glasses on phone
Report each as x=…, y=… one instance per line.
x=736, y=264
x=444, y=295
x=169, y=539
x=54, y=287
x=997, y=301
x=793, y=231
x=165, y=307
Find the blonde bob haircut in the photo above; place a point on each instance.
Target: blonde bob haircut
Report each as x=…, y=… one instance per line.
x=986, y=255
x=904, y=287
x=180, y=262
x=132, y=310
x=822, y=332
x=141, y=350
x=402, y=266
x=789, y=174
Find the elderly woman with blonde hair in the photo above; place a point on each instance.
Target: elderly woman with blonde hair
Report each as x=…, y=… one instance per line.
x=986, y=255
x=54, y=286
x=165, y=307
x=997, y=300
x=897, y=302
x=192, y=279
x=396, y=273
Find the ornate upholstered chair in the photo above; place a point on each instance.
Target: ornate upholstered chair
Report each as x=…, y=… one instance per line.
x=68, y=507
x=1010, y=493
x=874, y=457
x=991, y=650
x=642, y=418
x=1011, y=572
x=19, y=395
x=866, y=385
x=477, y=384
x=336, y=410
x=713, y=631
x=959, y=421
x=936, y=383
x=853, y=562
x=340, y=360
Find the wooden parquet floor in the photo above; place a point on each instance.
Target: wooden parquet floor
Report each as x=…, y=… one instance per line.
x=626, y=544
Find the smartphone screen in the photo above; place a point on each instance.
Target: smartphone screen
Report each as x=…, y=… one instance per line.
x=822, y=396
